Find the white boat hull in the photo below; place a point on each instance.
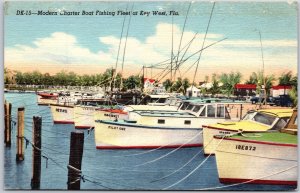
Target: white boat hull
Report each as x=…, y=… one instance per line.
x=122, y=136
x=257, y=162
x=84, y=117
x=62, y=114
x=105, y=115
x=209, y=143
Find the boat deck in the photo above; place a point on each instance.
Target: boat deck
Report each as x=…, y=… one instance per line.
x=275, y=137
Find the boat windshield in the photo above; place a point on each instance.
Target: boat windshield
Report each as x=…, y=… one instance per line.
x=184, y=105
x=249, y=115
x=263, y=118
x=197, y=108
x=190, y=107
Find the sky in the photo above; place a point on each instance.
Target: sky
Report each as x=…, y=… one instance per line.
x=89, y=44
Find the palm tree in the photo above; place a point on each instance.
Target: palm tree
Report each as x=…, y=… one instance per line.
x=215, y=89
x=229, y=81
x=258, y=79
x=181, y=85
x=185, y=85
x=168, y=84
x=132, y=82
x=286, y=79
x=294, y=96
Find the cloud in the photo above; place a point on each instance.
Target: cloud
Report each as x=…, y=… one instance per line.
x=62, y=49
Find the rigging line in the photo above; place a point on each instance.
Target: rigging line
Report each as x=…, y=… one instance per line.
x=198, y=61
x=180, y=62
x=165, y=155
x=121, y=35
x=174, y=56
x=124, y=51
x=248, y=181
x=184, y=164
x=141, y=153
x=190, y=43
x=200, y=51
x=195, y=169
x=172, y=50
x=176, y=63
x=203, y=49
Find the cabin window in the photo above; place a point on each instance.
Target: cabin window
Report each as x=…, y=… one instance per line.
x=184, y=105
x=190, y=107
x=220, y=110
x=227, y=116
x=161, y=121
x=211, y=111
x=264, y=118
x=187, y=122
x=197, y=108
x=203, y=113
x=279, y=125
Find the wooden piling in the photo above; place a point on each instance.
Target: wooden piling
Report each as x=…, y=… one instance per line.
x=20, y=135
x=36, y=153
x=7, y=121
x=74, y=167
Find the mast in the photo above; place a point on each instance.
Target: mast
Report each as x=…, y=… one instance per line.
x=172, y=49
x=143, y=76
x=121, y=35
x=263, y=69
x=124, y=51
x=203, y=45
x=176, y=63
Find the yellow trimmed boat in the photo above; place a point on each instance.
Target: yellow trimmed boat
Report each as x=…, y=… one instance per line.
x=259, y=158
x=254, y=121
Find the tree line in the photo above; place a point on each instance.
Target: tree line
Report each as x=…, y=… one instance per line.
x=64, y=78
x=220, y=84
x=225, y=83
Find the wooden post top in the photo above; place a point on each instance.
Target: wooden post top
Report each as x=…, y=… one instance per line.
x=21, y=109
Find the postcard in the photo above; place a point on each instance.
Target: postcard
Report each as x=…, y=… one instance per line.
x=150, y=95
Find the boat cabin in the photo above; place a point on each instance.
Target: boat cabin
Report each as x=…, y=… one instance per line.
x=95, y=102
x=193, y=116
x=275, y=120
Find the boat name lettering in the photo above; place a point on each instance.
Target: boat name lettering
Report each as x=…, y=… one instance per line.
x=118, y=128
x=245, y=147
x=61, y=110
x=110, y=115
x=224, y=132
x=87, y=108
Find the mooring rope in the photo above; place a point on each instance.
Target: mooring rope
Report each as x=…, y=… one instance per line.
x=184, y=164
x=165, y=155
x=144, y=152
x=248, y=181
x=185, y=177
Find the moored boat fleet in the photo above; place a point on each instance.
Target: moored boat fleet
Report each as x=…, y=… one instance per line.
x=260, y=148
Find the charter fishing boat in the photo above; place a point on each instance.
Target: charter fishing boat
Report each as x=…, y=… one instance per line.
x=84, y=111
x=254, y=121
x=62, y=114
x=47, y=98
x=104, y=108
x=259, y=158
x=63, y=110
x=159, y=129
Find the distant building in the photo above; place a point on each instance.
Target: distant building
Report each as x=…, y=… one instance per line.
x=280, y=90
x=9, y=77
x=245, y=89
x=192, y=91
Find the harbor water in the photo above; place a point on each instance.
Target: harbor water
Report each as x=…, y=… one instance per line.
x=135, y=169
